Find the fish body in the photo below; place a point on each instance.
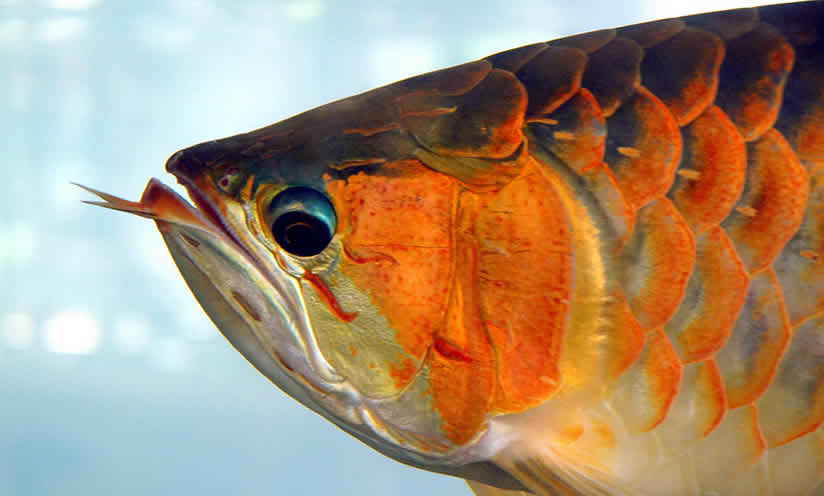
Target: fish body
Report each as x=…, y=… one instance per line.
x=590, y=266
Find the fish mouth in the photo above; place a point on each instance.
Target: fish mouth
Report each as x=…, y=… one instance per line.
x=258, y=308
x=210, y=210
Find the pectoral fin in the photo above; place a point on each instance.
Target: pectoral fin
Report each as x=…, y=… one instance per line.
x=484, y=490
x=548, y=473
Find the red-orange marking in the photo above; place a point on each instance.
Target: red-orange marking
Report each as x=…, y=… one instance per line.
x=248, y=188
x=451, y=351
x=434, y=112
x=572, y=433
x=542, y=120
x=372, y=131
x=605, y=433
x=328, y=297
x=378, y=257
x=356, y=163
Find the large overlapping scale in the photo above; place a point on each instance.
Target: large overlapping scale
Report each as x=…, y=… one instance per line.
x=700, y=142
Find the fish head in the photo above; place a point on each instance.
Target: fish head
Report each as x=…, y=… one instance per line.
x=338, y=278
x=368, y=257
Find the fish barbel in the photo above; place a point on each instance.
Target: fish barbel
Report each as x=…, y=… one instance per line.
x=590, y=266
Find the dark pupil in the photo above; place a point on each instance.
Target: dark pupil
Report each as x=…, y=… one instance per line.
x=301, y=234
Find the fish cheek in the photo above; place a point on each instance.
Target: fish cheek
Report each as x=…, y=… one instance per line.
x=359, y=345
x=395, y=231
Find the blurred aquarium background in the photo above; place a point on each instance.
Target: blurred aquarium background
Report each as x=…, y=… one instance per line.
x=112, y=380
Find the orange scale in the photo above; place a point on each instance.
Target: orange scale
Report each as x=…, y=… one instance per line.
x=485, y=121
x=802, y=111
x=624, y=343
x=729, y=453
x=600, y=180
x=551, y=78
x=593, y=359
x=796, y=467
x=575, y=132
x=793, y=405
x=644, y=393
x=752, y=79
x=658, y=261
x=772, y=204
x=714, y=297
x=613, y=73
x=698, y=408
x=643, y=147
x=712, y=171
x=800, y=266
x=683, y=72
x=750, y=356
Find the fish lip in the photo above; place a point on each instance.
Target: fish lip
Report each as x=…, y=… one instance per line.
x=210, y=211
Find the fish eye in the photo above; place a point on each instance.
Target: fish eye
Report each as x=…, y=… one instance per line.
x=303, y=221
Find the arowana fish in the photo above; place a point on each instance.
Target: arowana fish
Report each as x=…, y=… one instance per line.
x=591, y=266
